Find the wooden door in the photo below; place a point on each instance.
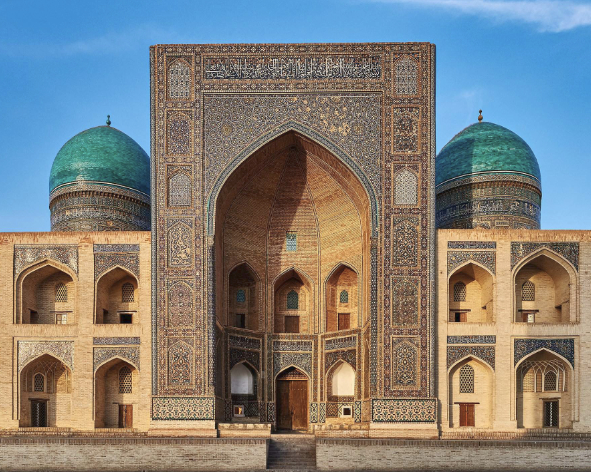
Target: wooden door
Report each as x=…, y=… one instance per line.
x=292, y=400
x=292, y=324
x=38, y=414
x=467, y=414
x=298, y=400
x=283, y=406
x=126, y=416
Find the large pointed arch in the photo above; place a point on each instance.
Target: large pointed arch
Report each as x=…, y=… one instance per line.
x=304, y=131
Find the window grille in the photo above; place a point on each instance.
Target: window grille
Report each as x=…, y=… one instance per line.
x=528, y=292
x=550, y=382
x=467, y=379
x=551, y=414
x=344, y=297
x=293, y=300
x=61, y=293
x=240, y=296
x=39, y=383
x=125, y=380
x=291, y=241
x=127, y=294
x=460, y=292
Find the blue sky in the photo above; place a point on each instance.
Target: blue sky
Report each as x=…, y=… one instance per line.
x=66, y=65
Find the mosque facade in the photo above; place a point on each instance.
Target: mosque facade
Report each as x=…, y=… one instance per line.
x=294, y=256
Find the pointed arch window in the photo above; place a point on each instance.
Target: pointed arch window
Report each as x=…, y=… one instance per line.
x=61, y=293
x=460, y=292
x=550, y=382
x=293, y=300
x=344, y=297
x=241, y=296
x=467, y=379
x=127, y=295
x=528, y=292
x=125, y=380
x=39, y=383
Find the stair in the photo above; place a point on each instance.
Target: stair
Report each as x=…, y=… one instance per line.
x=292, y=452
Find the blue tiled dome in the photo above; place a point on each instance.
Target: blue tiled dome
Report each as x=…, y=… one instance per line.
x=485, y=148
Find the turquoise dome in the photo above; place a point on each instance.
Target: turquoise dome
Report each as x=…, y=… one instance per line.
x=102, y=154
x=485, y=148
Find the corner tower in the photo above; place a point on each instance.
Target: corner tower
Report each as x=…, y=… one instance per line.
x=100, y=181
x=488, y=177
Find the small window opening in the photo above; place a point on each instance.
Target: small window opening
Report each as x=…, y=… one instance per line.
x=291, y=241
x=551, y=414
x=241, y=296
x=61, y=293
x=344, y=297
x=125, y=378
x=550, y=382
x=467, y=379
x=39, y=383
x=460, y=292
x=127, y=293
x=528, y=292
x=293, y=300
x=34, y=317
x=125, y=318
x=61, y=318
x=240, y=320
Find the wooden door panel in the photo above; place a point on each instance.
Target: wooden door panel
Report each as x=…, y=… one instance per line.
x=467, y=417
x=344, y=321
x=298, y=399
x=283, y=407
x=470, y=415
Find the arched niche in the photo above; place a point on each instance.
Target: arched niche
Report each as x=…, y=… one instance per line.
x=117, y=298
x=342, y=299
x=244, y=390
x=470, y=295
x=116, y=394
x=471, y=386
x=46, y=294
x=544, y=391
x=292, y=304
x=243, y=298
x=45, y=393
x=341, y=382
x=545, y=290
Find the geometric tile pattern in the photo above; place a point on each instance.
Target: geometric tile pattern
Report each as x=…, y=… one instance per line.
x=562, y=347
x=404, y=410
x=62, y=350
x=129, y=354
x=484, y=353
x=25, y=255
x=457, y=258
x=520, y=250
x=182, y=408
x=116, y=340
x=474, y=339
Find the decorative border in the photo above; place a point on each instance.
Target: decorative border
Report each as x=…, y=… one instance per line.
x=471, y=245
x=115, y=340
x=563, y=347
x=475, y=339
x=116, y=248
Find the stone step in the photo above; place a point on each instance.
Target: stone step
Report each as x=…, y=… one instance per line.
x=290, y=452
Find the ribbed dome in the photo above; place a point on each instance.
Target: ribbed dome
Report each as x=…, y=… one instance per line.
x=102, y=154
x=485, y=148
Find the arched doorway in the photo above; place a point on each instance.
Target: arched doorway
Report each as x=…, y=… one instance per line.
x=45, y=393
x=292, y=400
x=116, y=394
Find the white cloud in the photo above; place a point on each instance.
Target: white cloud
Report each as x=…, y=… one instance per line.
x=548, y=15
x=109, y=43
